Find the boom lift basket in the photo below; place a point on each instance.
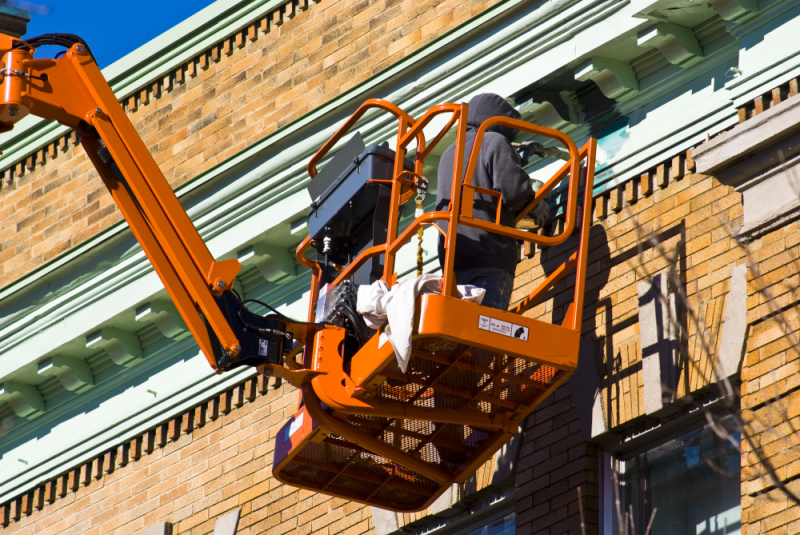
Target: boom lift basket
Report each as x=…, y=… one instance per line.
x=475, y=372
x=310, y=456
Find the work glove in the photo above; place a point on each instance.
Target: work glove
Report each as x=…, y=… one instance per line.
x=541, y=212
x=536, y=218
x=526, y=149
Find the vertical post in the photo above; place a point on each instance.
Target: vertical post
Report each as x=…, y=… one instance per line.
x=449, y=283
x=394, y=204
x=583, y=246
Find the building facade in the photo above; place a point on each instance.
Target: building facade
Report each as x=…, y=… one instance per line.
x=683, y=406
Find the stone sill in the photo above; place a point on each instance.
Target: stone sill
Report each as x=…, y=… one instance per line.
x=747, y=138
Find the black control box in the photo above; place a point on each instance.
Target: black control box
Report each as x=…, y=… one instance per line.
x=353, y=213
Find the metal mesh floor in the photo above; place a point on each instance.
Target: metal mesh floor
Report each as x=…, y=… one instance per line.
x=343, y=468
x=446, y=374
x=441, y=374
x=449, y=375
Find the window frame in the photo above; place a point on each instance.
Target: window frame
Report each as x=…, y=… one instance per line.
x=628, y=447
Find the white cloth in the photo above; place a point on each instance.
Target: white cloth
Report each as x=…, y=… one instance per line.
x=394, y=309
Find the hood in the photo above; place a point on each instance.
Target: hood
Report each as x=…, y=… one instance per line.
x=482, y=107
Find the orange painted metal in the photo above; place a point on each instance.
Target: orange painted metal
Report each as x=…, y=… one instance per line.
x=310, y=456
x=72, y=91
x=353, y=396
x=573, y=167
x=470, y=380
x=173, y=283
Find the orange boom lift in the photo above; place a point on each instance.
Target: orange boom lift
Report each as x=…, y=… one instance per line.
x=365, y=430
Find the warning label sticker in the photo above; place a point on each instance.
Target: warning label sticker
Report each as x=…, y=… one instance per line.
x=263, y=347
x=293, y=427
x=512, y=330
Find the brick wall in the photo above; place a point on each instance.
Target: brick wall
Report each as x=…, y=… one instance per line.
x=554, y=460
x=189, y=471
x=689, y=215
x=271, y=72
x=771, y=384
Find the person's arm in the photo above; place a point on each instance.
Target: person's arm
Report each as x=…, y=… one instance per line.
x=507, y=174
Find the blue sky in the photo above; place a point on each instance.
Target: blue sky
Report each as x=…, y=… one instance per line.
x=112, y=28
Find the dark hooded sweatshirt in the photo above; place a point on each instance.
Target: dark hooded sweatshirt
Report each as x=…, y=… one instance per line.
x=498, y=168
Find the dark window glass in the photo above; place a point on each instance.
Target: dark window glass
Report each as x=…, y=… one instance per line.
x=692, y=481
x=502, y=526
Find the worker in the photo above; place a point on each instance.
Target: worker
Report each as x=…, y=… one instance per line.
x=484, y=259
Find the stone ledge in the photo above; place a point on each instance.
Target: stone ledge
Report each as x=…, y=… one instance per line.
x=749, y=137
x=783, y=215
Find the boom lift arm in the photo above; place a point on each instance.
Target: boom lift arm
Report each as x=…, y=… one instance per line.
x=73, y=91
x=366, y=430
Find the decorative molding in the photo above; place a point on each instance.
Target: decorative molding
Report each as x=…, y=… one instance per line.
x=165, y=317
x=144, y=443
x=615, y=78
x=545, y=113
x=787, y=213
x=677, y=43
x=735, y=11
x=25, y=400
x=299, y=227
x=73, y=373
x=122, y=347
x=273, y=262
x=761, y=103
x=768, y=127
x=760, y=158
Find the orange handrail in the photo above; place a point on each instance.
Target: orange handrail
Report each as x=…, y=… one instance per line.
x=461, y=208
x=368, y=105
x=572, y=201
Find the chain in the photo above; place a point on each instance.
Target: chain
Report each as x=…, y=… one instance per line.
x=422, y=190
x=419, y=239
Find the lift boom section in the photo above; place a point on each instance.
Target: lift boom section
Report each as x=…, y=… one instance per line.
x=72, y=91
x=366, y=430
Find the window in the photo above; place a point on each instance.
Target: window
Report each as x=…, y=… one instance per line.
x=693, y=481
x=501, y=526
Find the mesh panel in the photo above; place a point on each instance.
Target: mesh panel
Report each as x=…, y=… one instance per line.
x=326, y=453
x=442, y=374
x=343, y=468
x=308, y=474
x=353, y=485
